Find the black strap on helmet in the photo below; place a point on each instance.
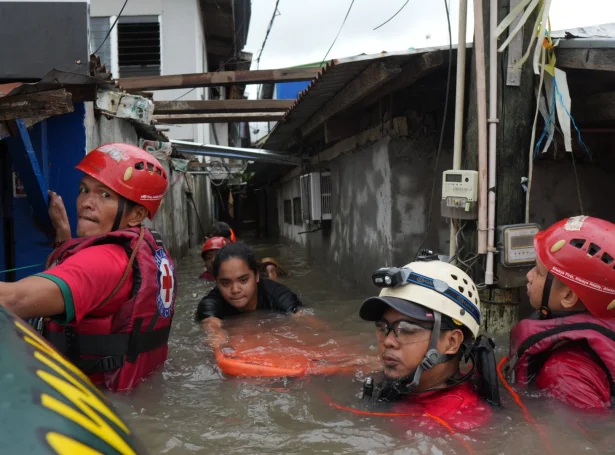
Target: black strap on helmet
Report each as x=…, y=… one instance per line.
x=544, y=310
x=484, y=357
x=432, y=357
x=121, y=206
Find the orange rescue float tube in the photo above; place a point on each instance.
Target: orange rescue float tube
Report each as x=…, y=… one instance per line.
x=243, y=368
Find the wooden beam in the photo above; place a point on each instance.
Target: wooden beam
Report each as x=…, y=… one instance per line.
x=398, y=127
x=376, y=75
x=181, y=119
x=515, y=52
x=220, y=106
x=42, y=104
x=215, y=79
x=588, y=59
x=412, y=72
x=599, y=108
x=343, y=125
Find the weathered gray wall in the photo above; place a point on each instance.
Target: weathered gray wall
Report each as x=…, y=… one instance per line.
x=412, y=163
x=177, y=219
x=361, y=233
x=554, y=189
x=100, y=129
x=381, y=198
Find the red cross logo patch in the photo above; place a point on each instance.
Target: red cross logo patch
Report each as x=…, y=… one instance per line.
x=166, y=283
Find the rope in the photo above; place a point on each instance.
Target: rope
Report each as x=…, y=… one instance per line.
x=20, y=268
x=528, y=417
x=128, y=267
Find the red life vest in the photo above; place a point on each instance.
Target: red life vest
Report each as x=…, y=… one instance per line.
x=459, y=406
x=532, y=339
x=122, y=348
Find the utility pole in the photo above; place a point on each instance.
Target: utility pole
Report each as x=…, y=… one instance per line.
x=515, y=113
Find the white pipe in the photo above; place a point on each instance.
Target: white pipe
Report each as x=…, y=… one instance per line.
x=481, y=97
x=459, y=102
x=493, y=126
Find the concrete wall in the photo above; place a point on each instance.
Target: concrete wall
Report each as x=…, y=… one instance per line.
x=381, y=198
x=100, y=129
x=361, y=233
x=554, y=189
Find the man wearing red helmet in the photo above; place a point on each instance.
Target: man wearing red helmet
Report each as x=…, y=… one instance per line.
x=210, y=249
x=568, y=347
x=108, y=295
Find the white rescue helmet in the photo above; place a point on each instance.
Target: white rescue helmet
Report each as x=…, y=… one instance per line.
x=429, y=285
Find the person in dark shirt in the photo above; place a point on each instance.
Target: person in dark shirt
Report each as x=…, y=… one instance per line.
x=240, y=289
x=222, y=229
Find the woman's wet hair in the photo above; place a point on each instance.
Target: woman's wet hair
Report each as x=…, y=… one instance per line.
x=236, y=251
x=221, y=229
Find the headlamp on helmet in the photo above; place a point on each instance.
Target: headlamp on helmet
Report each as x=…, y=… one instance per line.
x=391, y=277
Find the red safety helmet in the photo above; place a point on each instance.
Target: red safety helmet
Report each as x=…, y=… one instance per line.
x=580, y=252
x=129, y=171
x=214, y=243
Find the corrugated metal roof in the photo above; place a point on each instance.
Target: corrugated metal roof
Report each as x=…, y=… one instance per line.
x=331, y=79
x=592, y=31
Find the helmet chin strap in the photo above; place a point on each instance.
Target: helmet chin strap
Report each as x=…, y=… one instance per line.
x=544, y=310
x=121, y=207
x=432, y=357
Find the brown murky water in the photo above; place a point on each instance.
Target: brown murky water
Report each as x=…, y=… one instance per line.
x=190, y=407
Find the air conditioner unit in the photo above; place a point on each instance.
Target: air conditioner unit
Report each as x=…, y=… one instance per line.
x=316, y=196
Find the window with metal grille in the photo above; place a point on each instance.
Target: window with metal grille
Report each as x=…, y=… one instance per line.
x=288, y=211
x=138, y=46
x=297, y=217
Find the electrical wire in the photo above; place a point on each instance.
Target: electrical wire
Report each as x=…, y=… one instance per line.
x=338, y=33
x=576, y=177
x=187, y=93
x=275, y=14
x=111, y=29
x=437, y=159
x=194, y=88
x=196, y=210
x=393, y=16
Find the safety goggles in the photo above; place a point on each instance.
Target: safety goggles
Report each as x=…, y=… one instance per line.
x=405, y=331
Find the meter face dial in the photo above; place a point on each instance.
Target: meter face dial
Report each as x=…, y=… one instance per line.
x=519, y=245
x=521, y=241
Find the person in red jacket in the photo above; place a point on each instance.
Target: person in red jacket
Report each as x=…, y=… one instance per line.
x=567, y=348
x=427, y=318
x=109, y=294
x=209, y=251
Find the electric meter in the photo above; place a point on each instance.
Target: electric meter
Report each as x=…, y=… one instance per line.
x=516, y=244
x=459, y=194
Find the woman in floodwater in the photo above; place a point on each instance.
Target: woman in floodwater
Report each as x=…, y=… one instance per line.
x=239, y=289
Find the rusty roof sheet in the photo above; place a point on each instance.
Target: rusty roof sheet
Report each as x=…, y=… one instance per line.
x=332, y=78
x=54, y=80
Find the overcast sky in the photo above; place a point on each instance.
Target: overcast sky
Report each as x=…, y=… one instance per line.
x=305, y=29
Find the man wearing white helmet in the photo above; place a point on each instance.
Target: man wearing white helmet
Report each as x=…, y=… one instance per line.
x=427, y=318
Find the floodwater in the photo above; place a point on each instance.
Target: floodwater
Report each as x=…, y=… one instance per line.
x=191, y=407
